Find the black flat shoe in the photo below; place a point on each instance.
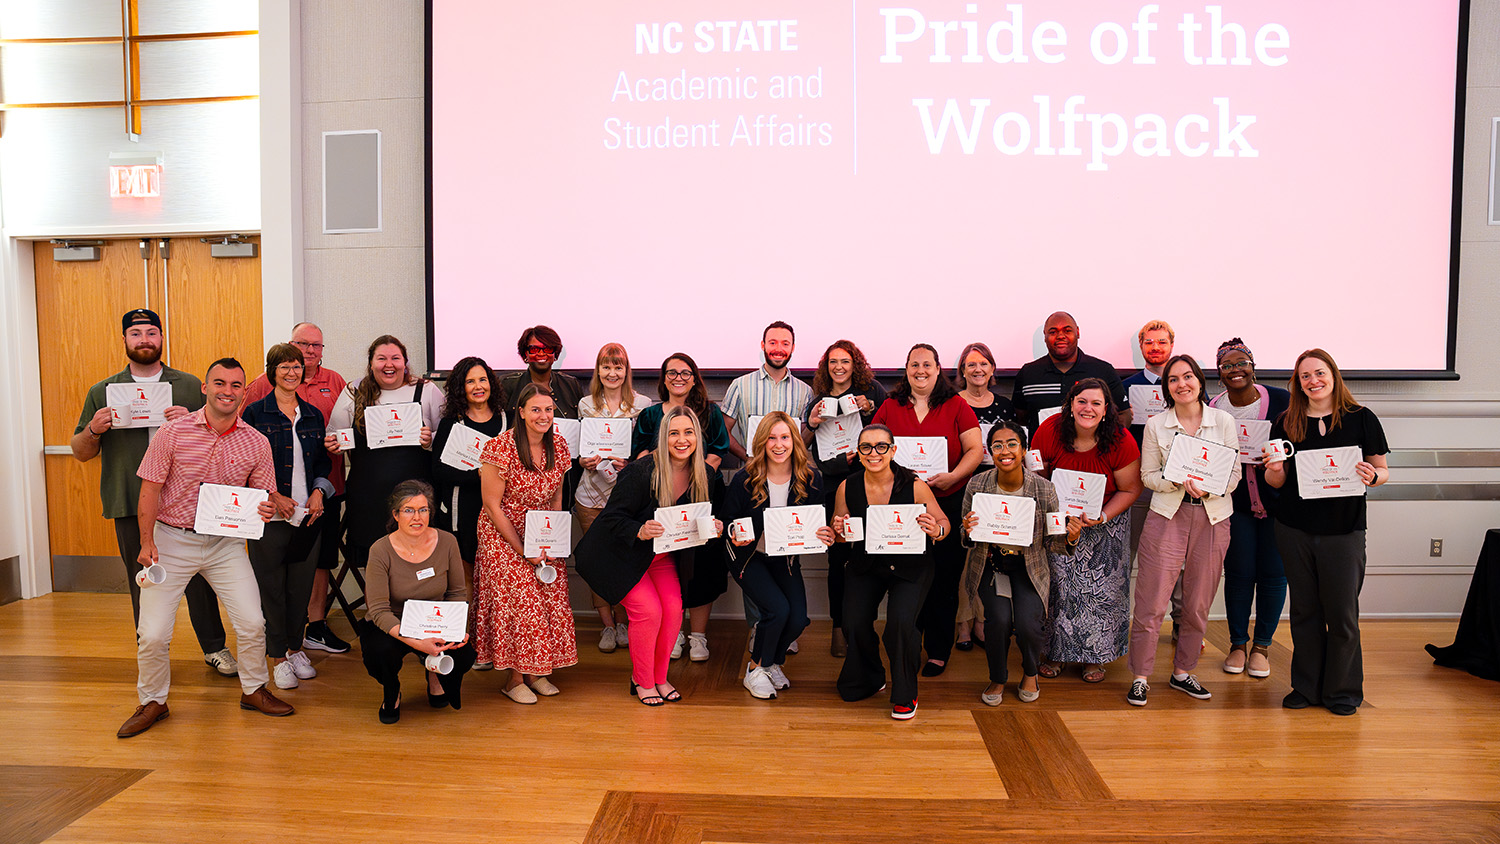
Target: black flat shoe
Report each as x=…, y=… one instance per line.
x=964, y=646
x=1295, y=700
x=933, y=668
x=392, y=713
x=437, y=701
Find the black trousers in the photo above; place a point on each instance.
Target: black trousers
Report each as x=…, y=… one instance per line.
x=838, y=555
x=383, y=654
x=782, y=600
x=284, y=559
x=202, y=603
x=863, y=672
x=1023, y=614
x=940, y=609
x=1324, y=575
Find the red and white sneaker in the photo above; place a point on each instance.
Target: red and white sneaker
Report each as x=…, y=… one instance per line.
x=904, y=711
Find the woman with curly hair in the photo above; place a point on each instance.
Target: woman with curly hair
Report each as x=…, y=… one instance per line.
x=472, y=398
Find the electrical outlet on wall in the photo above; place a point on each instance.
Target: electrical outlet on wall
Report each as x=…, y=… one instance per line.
x=1437, y=548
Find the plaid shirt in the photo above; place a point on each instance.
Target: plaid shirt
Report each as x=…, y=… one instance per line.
x=188, y=452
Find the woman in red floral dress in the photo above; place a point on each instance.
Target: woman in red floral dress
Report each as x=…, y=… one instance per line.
x=520, y=623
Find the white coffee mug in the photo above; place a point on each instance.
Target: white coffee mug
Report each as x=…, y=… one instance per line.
x=441, y=663
x=119, y=417
x=854, y=529
x=743, y=530
x=607, y=468
x=706, y=528
x=1057, y=524
x=828, y=406
x=848, y=404
x=345, y=437
x=546, y=572
x=150, y=576
x=1278, y=450
x=1034, y=460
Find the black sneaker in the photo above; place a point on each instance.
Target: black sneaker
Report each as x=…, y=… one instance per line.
x=1345, y=709
x=320, y=637
x=1137, y=694
x=1190, y=686
x=1295, y=700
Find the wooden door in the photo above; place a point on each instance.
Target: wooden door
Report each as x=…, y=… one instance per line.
x=210, y=307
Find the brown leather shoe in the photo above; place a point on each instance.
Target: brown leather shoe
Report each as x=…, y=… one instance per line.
x=145, y=718
x=266, y=703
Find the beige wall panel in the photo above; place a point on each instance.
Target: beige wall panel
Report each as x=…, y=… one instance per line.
x=1484, y=54
x=402, y=174
x=1483, y=107
x=356, y=295
x=358, y=50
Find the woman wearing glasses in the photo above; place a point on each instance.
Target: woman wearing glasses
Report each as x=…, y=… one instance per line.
x=843, y=371
x=1253, y=573
x=541, y=348
x=924, y=404
x=975, y=373
x=681, y=385
x=901, y=579
x=521, y=623
x=415, y=562
x=1016, y=580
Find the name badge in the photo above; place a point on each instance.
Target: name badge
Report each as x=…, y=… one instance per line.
x=425, y=573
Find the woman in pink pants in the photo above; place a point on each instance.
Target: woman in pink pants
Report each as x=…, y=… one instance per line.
x=618, y=559
x=1187, y=530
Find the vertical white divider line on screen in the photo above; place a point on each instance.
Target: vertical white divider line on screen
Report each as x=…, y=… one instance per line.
x=854, y=78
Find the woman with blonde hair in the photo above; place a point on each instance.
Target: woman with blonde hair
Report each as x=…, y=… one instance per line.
x=611, y=395
x=779, y=473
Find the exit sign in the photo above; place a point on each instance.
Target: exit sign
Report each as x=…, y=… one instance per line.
x=140, y=181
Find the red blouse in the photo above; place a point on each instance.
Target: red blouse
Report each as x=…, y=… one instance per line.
x=948, y=420
x=1048, y=440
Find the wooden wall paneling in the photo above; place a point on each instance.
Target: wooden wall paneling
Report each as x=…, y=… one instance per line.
x=213, y=308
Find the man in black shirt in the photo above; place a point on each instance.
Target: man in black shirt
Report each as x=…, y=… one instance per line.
x=1041, y=384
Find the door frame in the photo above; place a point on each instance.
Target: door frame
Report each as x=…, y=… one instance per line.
x=23, y=522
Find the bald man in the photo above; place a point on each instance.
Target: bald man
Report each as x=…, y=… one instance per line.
x=1042, y=383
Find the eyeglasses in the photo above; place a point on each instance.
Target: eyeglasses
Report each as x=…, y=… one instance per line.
x=679, y=375
x=409, y=512
x=303, y=344
x=875, y=448
x=538, y=351
x=1235, y=367
x=1005, y=444
x=289, y=367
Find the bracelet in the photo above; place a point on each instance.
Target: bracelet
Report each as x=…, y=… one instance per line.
x=90, y=428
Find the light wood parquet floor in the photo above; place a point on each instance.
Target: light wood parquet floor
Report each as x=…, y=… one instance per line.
x=1419, y=763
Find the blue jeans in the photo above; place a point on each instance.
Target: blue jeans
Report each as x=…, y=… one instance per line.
x=1253, y=574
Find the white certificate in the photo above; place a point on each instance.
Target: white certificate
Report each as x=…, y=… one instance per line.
x=682, y=526
x=893, y=529
x=984, y=443
x=463, y=447
x=230, y=511
x=1253, y=434
x=390, y=425
x=747, y=436
x=1329, y=472
x=838, y=435
x=445, y=620
x=604, y=436
x=1044, y=415
x=1079, y=493
x=927, y=456
x=550, y=531
x=1146, y=401
x=570, y=431
x=1004, y=519
x=139, y=405
x=1206, y=462
x=794, y=530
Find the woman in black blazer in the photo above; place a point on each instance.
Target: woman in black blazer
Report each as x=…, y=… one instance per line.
x=617, y=560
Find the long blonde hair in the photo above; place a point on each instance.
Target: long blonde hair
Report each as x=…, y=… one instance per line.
x=661, y=473
x=755, y=467
x=1295, y=420
x=367, y=392
x=613, y=353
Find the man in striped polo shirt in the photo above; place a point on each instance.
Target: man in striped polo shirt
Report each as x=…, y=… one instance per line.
x=1042, y=383
x=770, y=387
x=209, y=445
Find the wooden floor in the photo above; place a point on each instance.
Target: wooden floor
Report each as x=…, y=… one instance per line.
x=1420, y=762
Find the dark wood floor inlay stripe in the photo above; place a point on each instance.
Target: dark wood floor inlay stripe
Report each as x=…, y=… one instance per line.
x=38, y=801
x=1037, y=757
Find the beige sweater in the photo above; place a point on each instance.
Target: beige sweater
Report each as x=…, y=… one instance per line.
x=391, y=581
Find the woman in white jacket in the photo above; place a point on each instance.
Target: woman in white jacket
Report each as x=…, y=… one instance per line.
x=1186, y=531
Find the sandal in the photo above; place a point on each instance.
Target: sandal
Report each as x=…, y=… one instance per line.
x=1050, y=670
x=670, y=697
x=1093, y=674
x=652, y=699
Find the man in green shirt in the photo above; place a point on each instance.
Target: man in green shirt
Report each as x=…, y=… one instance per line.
x=120, y=451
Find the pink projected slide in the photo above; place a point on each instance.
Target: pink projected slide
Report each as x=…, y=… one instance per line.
x=676, y=174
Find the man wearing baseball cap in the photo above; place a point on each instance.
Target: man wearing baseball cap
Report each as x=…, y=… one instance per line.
x=120, y=451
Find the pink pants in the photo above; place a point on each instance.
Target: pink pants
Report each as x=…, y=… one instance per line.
x=1187, y=543
x=654, y=608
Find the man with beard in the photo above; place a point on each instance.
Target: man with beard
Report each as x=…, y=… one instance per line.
x=1042, y=383
x=771, y=387
x=120, y=452
x=1155, y=338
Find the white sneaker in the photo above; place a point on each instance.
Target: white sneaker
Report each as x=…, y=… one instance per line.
x=223, y=662
x=792, y=648
x=758, y=682
x=301, y=666
x=286, y=677
x=677, y=648
x=608, y=640
x=622, y=636
x=778, y=677
x=698, y=647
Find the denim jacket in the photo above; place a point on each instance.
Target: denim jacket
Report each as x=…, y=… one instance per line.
x=266, y=417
